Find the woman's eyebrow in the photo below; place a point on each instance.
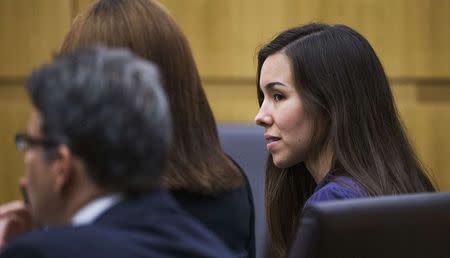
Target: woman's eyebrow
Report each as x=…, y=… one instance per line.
x=270, y=85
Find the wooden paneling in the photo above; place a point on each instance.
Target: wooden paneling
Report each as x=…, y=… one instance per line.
x=30, y=33
x=14, y=108
x=425, y=112
x=79, y=5
x=411, y=36
x=232, y=103
x=224, y=35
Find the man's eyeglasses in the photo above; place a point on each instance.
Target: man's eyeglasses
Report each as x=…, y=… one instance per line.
x=24, y=142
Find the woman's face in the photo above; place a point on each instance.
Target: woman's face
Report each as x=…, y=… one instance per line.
x=282, y=113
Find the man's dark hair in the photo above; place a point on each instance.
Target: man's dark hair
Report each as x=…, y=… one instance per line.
x=108, y=107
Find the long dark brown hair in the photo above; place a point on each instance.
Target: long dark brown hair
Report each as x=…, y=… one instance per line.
x=345, y=89
x=197, y=162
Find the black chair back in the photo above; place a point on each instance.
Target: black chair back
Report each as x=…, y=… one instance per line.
x=414, y=225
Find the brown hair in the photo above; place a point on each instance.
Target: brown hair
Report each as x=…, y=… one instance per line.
x=197, y=162
x=345, y=89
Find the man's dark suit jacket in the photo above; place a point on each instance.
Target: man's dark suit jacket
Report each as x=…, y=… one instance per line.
x=149, y=226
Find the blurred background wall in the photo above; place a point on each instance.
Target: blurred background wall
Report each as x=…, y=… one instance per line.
x=412, y=38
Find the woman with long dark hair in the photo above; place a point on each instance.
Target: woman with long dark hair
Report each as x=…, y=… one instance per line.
x=331, y=125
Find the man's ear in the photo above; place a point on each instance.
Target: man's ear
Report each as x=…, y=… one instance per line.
x=62, y=168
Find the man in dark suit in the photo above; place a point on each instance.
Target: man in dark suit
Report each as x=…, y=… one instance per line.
x=94, y=150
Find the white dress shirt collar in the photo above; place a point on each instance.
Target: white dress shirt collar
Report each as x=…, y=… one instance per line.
x=93, y=209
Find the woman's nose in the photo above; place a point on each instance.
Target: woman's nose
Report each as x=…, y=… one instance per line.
x=263, y=118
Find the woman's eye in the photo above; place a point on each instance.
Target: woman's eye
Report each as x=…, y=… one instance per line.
x=277, y=97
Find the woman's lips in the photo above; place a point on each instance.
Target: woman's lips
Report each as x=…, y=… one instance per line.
x=272, y=141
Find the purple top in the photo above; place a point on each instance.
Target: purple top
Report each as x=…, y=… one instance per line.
x=336, y=188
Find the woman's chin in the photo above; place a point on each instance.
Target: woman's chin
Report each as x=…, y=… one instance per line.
x=282, y=163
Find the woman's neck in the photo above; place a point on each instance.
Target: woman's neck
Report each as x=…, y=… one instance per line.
x=321, y=165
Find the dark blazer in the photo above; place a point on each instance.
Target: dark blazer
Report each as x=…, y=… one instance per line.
x=230, y=215
x=149, y=226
